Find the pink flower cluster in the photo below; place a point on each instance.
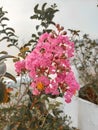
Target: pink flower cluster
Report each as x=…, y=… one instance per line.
x=49, y=66
x=19, y=66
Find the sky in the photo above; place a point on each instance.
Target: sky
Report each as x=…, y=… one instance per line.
x=73, y=14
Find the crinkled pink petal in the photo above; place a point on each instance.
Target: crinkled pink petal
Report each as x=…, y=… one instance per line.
x=35, y=92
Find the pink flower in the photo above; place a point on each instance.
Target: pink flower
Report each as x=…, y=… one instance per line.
x=60, y=77
x=48, y=90
x=32, y=60
x=51, y=56
x=68, y=95
x=19, y=66
x=32, y=73
x=52, y=89
x=33, y=85
x=35, y=92
x=43, y=37
x=71, y=82
x=43, y=79
x=52, y=69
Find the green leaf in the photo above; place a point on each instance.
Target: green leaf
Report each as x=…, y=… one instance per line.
x=6, y=56
x=3, y=25
x=39, y=33
x=35, y=8
x=51, y=22
x=10, y=34
x=43, y=6
x=33, y=35
x=3, y=52
x=34, y=17
x=4, y=38
x=32, y=40
x=47, y=30
x=10, y=29
x=49, y=10
x=27, y=44
x=56, y=10
x=10, y=76
x=37, y=27
x=14, y=41
x=4, y=18
x=44, y=97
x=2, y=31
x=9, y=45
x=44, y=24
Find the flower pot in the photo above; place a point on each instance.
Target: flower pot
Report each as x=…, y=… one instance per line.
x=88, y=115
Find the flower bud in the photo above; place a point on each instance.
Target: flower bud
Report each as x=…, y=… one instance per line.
x=51, y=35
x=62, y=28
x=58, y=26
x=64, y=33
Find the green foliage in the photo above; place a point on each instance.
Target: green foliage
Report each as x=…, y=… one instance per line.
x=6, y=33
x=86, y=63
x=86, y=57
x=45, y=16
x=35, y=117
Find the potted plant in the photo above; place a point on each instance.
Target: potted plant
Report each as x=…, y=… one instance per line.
x=45, y=73
x=86, y=63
